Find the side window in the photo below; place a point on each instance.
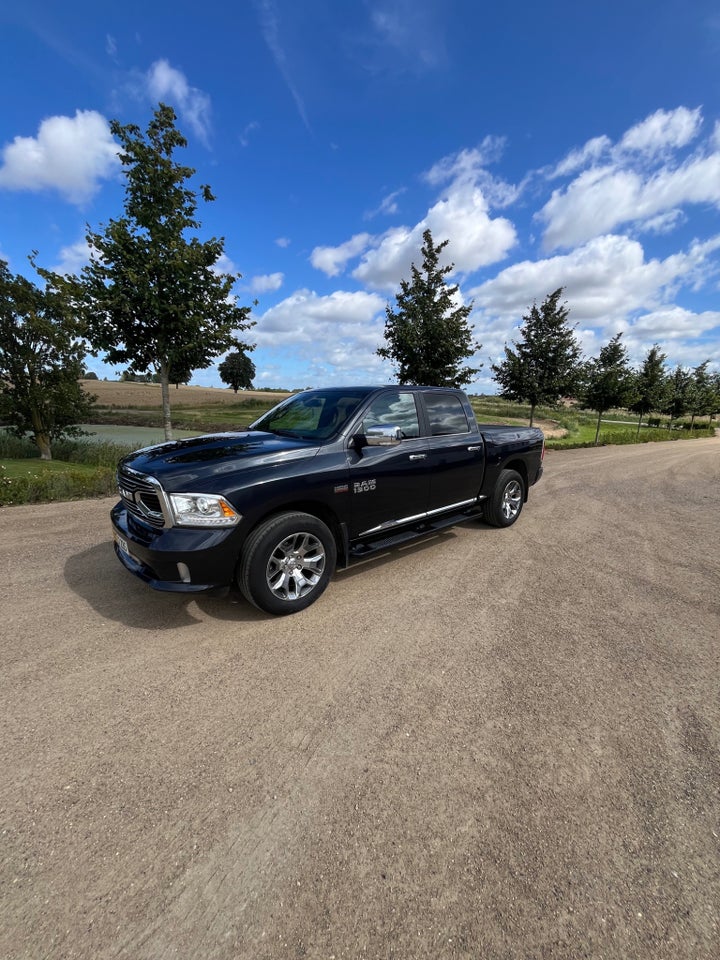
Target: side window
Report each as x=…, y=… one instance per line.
x=393, y=409
x=446, y=414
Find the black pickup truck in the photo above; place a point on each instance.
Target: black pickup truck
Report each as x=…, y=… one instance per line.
x=325, y=477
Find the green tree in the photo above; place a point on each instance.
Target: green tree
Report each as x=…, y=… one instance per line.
x=151, y=295
x=715, y=378
x=237, y=371
x=41, y=360
x=651, y=384
x=608, y=380
x=678, y=394
x=701, y=399
x=427, y=335
x=545, y=364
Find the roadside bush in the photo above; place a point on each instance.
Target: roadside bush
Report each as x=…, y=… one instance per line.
x=620, y=437
x=16, y=448
x=45, y=486
x=101, y=453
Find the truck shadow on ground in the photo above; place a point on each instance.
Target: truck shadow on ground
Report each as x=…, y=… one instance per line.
x=97, y=577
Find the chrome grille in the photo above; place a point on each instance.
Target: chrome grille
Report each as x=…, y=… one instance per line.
x=141, y=496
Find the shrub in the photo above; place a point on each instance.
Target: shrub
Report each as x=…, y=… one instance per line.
x=44, y=486
x=16, y=448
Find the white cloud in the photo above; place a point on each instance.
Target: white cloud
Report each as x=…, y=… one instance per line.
x=601, y=199
x=577, y=159
x=69, y=154
x=642, y=180
x=248, y=129
x=224, y=264
x=461, y=216
x=469, y=167
x=266, y=282
x=283, y=242
x=388, y=205
x=476, y=239
x=167, y=84
x=332, y=260
x=270, y=26
x=73, y=258
x=606, y=283
x=662, y=130
x=674, y=323
x=322, y=339
x=306, y=318
x=664, y=222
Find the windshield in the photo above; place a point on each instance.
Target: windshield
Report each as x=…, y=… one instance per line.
x=314, y=414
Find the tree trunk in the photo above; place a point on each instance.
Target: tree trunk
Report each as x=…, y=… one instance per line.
x=597, y=432
x=532, y=413
x=41, y=435
x=43, y=442
x=639, y=423
x=165, y=390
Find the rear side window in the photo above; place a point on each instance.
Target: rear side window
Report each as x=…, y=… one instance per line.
x=446, y=414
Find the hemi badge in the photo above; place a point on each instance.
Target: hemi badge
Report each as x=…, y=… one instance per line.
x=342, y=488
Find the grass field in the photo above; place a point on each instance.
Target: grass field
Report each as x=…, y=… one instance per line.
x=111, y=393
x=192, y=408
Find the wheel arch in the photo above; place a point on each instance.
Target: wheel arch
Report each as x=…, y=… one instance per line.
x=519, y=466
x=316, y=509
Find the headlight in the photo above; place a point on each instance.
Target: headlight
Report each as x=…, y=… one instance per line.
x=202, y=510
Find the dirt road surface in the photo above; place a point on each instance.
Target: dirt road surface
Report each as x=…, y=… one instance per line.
x=495, y=744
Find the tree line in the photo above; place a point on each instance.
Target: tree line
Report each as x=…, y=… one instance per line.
x=154, y=299
x=428, y=338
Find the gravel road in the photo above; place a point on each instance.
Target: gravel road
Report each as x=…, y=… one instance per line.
x=495, y=744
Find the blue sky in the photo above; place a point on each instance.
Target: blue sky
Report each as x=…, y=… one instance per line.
x=558, y=144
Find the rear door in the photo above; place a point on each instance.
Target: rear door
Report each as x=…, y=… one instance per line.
x=455, y=451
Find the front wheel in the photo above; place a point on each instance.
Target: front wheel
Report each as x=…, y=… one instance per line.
x=286, y=563
x=506, y=501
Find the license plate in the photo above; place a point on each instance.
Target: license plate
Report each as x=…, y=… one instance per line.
x=121, y=542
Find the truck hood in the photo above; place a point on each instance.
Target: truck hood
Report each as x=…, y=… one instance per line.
x=186, y=464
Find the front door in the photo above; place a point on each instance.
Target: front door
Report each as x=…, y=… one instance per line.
x=389, y=484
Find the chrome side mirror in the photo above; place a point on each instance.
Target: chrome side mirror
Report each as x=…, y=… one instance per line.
x=383, y=436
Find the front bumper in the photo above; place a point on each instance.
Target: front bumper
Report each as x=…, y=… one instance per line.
x=176, y=559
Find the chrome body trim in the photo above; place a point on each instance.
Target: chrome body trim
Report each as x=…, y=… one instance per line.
x=391, y=524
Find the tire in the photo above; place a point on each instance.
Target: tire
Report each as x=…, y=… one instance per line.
x=286, y=563
x=506, y=502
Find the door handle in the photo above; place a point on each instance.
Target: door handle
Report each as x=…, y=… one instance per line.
x=418, y=456
x=474, y=449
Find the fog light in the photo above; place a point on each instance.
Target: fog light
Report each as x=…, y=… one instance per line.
x=184, y=572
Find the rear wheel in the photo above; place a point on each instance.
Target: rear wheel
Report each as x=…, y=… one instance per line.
x=286, y=563
x=506, y=502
